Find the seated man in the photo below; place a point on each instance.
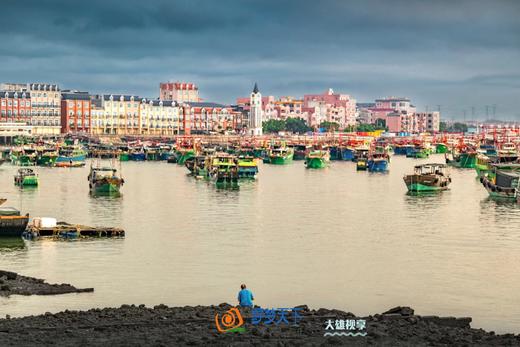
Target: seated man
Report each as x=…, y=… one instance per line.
x=245, y=297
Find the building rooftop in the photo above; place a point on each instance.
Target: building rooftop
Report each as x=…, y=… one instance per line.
x=11, y=95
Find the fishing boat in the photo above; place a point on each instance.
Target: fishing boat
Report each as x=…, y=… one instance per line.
x=483, y=165
x=223, y=171
x=71, y=156
x=418, y=152
x=26, y=177
x=280, y=155
x=335, y=153
x=441, y=148
x=378, y=162
x=504, y=184
x=12, y=223
x=361, y=164
x=348, y=153
x=184, y=154
x=104, y=180
x=463, y=157
x=247, y=167
x=428, y=178
x=47, y=157
x=317, y=159
x=137, y=154
x=197, y=165
x=301, y=151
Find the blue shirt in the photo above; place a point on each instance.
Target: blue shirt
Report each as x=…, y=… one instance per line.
x=245, y=297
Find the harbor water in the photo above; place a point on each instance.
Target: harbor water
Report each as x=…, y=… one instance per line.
x=334, y=238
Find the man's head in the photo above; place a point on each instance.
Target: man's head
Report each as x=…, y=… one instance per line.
x=243, y=286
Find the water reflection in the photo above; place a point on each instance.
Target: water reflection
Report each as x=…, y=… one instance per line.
x=9, y=244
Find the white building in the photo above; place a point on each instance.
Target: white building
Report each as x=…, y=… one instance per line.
x=255, y=113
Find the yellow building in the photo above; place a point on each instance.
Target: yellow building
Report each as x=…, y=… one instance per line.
x=158, y=117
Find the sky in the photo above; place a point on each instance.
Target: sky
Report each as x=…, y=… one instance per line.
x=447, y=54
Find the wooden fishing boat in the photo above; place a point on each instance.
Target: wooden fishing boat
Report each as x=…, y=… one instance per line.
x=280, y=155
x=71, y=156
x=104, y=180
x=223, y=171
x=26, y=177
x=301, y=151
x=317, y=159
x=503, y=184
x=428, y=178
x=247, y=167
x=378, y=162
x=12, y=223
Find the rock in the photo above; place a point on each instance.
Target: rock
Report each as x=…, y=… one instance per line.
x=402, y=310
x=8, y=274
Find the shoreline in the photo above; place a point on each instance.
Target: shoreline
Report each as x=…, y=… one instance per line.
x=131, y=325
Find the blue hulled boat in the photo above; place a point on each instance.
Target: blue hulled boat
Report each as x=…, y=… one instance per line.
x=378, y=162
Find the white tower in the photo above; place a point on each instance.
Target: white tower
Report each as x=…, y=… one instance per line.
x=255, y=113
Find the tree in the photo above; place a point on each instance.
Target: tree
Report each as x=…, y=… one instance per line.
x=365, y=128
x=329, y=126
x=296, y=125
x=443, y=126
x=460, y=127
x=273, y=126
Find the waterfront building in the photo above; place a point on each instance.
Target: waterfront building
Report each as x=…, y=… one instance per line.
x=159, y=117
x=255, y=112
x=289, y=107
x=206, y=117
x=179, y=92
x=13, y=87
x=75, y=112
x=428, y=121
x=268, y=107
x=330, y=107
x=45, y=108
x=15, y=107
x=119, y=115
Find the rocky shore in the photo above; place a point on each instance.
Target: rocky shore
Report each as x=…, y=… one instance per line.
x=12, y=283
x=177, y=326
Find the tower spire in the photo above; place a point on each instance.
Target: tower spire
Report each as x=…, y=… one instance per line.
x=255, y=89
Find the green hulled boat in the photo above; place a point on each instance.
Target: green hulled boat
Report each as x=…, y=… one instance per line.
x=441, y=148
x=247, y=167
x=223, y=171
x=428, y=178
x=47, y=157
x=318, y=159
x=281, y=156
x=104, y=180
x=124, y=156
x=503, y=184
x=183, y=155
x=482, y=165
x=26, y=177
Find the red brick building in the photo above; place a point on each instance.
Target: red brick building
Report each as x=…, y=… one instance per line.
x=75, y=112
x=15, y=107
x=179, y=92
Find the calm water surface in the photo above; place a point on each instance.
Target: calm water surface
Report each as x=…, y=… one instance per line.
x=332, y=238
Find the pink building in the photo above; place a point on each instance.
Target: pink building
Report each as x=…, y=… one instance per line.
x=179, y=92
x=331, y=107
x=289, y=107
x=268, y=106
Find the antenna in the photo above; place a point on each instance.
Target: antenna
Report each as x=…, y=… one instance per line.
x=464, y=111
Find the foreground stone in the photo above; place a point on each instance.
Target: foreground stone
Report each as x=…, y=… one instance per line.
x=12, y=283
x=179, y=326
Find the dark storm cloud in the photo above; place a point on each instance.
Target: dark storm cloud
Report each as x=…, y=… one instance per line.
x=456, y=54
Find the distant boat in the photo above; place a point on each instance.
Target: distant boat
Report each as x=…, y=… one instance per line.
x=378, y=162
x=26, y=177
x=12, y=224
x=104, y=180
x=503, y=184
x=280, y=156
x=428, y=178
x=247, y=167
x=317, y=159
x=71, y=156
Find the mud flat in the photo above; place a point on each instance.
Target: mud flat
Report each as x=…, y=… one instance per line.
x=178, y=326
x=12, y=283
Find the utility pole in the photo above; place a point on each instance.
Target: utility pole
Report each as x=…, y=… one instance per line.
x=472, y=112
x=487, y=112
x=494, y=110
x=464, y=111
x=439, y=108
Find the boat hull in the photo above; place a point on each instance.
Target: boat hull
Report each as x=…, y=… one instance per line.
x=77, y=158
x=315, y=163
x=281, y=160
x=377, y=165
x=13, y=226
x=418, y=187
